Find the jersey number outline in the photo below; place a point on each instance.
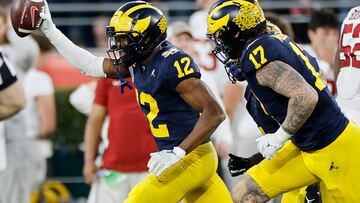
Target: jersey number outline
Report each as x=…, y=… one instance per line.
x=187, y=70
x=162, y=130
x=259, y=50
x=349, y=58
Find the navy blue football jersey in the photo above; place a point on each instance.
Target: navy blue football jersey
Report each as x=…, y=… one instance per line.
x=7, y=72
x=265, y=122
x=326, y=122
x=170, y=118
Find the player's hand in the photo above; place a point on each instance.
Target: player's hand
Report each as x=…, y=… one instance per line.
x=269, y=144
x=160, y=161
x=47, y=23
x=238, y=165
x=234, y=69
x=89, y=171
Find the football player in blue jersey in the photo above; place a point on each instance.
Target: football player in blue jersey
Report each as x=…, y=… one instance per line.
x=181, y=111
x=314, y=141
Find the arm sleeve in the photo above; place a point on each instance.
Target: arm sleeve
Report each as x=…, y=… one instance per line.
x=86, y=62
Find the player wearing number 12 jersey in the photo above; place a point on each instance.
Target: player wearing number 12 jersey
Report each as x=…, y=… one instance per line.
x=314, y=140
x=170, y=94
x=348, y=80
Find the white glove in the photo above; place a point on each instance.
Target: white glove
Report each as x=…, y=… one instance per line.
x=47, y=23
x=269, y=144
x=160, y=161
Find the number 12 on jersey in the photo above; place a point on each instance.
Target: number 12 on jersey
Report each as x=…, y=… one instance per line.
x=146, y=99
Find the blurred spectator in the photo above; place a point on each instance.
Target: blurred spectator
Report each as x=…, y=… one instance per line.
x=40, y=113
x=324, y=35
x=99, y=30
x=127, y=145
x=197, y=20
x=16, y=179
x=180, y=35
x=302, y=10
x=12, y=97
x=282, y=23
x=12, y=100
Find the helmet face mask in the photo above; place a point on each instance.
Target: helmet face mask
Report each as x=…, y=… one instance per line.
x=121, y=46
x=226, y=45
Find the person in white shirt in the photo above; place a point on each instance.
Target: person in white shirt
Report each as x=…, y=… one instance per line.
x=40, y=114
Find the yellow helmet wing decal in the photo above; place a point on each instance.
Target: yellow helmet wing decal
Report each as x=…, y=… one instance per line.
x=124, y=23
x=215, y=25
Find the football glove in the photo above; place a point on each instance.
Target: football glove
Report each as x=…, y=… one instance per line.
x=47, y=23
x=238, y=165
x=270, y=143
x=234, y=71
x=313, y=194
x=160, y=161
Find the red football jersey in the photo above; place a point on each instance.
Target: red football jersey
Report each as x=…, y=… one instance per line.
x=130, y=139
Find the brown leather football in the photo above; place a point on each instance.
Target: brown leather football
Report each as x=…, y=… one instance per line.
x=25, y=16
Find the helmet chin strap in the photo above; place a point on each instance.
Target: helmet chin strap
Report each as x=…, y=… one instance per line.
x=123, y=83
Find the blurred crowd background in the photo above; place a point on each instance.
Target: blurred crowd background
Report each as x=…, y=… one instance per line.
x=84, y=21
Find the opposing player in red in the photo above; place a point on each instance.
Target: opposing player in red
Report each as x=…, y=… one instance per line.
x=347, y=69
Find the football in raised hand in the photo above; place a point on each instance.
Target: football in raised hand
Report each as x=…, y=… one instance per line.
x=25, y=16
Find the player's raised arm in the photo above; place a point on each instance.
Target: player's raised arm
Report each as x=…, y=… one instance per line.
x=86, y=62
x=199, y=97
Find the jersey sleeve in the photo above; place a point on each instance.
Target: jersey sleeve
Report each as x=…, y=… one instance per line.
x=7, y=73
x=180, y=66
x=261, y=52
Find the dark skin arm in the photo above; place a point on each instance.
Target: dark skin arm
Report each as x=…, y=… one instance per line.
x=286, y=81
x=198, y=96
x=110, y=69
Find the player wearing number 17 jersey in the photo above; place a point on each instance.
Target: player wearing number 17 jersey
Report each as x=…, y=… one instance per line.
x=348, y=80
x=170, y=94
x=314, y=140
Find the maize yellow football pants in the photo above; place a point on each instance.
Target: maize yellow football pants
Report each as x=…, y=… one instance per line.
x=337, y=166
x=193, y=179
